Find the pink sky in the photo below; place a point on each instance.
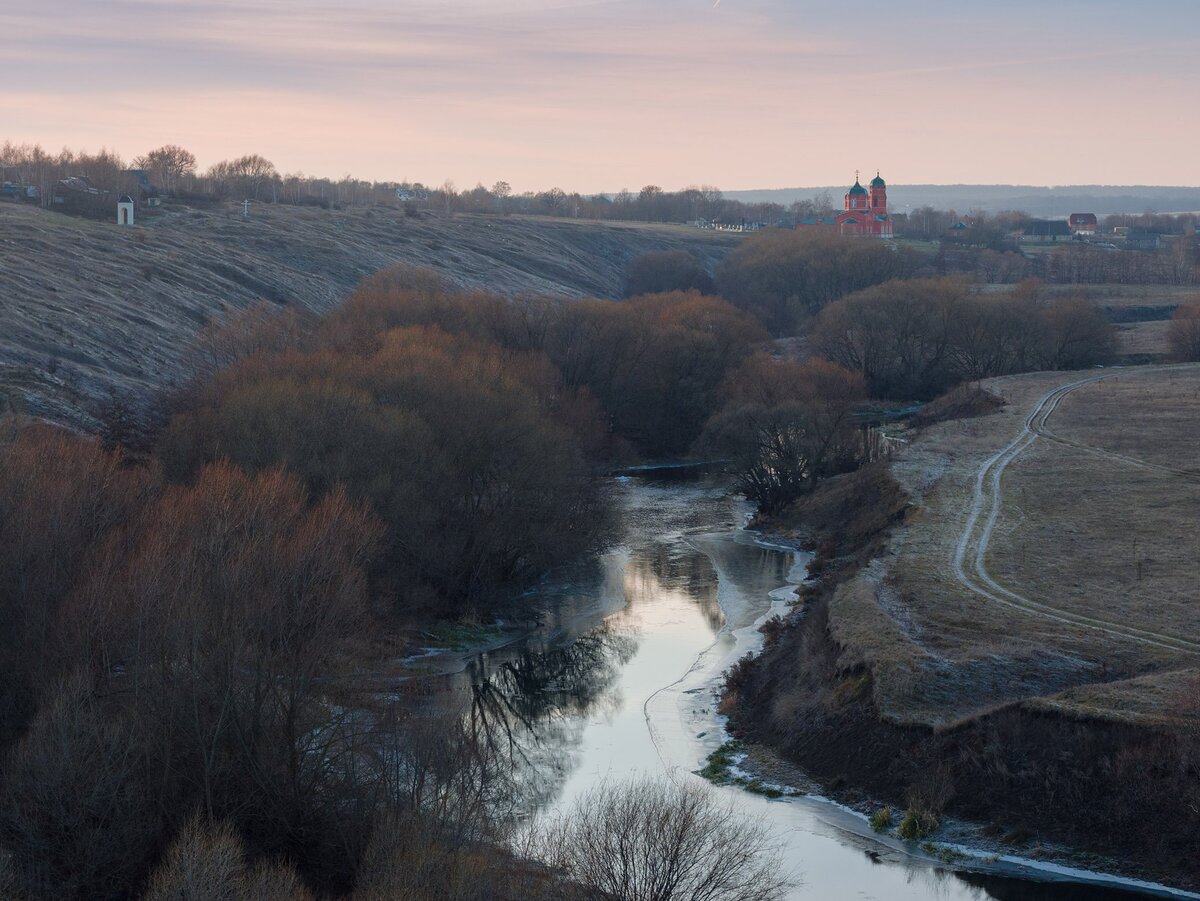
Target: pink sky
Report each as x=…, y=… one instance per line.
x=590, y=95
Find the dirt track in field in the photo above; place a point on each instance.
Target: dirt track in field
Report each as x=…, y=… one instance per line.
x=1050, y=555
x=970, y=568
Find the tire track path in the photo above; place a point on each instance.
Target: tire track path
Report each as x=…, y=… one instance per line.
x=968, y=560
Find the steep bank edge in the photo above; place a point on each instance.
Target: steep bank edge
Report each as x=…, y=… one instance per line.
x=1030, y=777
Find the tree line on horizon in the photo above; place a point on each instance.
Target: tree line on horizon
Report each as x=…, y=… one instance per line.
x=174, y=171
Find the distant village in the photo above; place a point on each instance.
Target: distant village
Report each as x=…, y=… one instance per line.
x=865, y=214
x=78, y=195
x=126, y=197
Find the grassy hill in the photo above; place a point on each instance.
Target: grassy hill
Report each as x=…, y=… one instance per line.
x=86, y=307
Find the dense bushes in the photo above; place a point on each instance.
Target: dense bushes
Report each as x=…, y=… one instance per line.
x=470, y=422
x=917, y=338
x=664, y=271
x=783, y=425
x=183, y=653
x=783, y=277
x=477, y=484
x=60, y=499
x=652, y=363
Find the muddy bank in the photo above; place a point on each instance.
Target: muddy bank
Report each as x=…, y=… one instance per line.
x=1122, y=797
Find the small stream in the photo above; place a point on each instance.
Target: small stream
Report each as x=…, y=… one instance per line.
x=620, y=681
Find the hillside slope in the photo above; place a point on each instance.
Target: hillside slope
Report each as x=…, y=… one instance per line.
x=86, y=307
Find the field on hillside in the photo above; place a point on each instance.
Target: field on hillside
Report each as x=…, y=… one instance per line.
x=1064, y=573
x=88, y=306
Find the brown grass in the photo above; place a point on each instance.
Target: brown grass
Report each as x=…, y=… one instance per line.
x=1081, y=531
x=844, y=515
x=899, y=682
x=963, y=402
x=1143, y=339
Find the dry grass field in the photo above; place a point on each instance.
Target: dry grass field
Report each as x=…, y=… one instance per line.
x=1118, y=297
x=1087, y=593
x=1139, y=339
x=87, y=305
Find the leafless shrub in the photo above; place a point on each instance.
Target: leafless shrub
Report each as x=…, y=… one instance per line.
x=406, y=861
x=261, y=328
x=76, y=812
x=273, y=882
x=663, y=840
x=204, y=864
x=785, y=425
x=1183, y=333
x=208, y=863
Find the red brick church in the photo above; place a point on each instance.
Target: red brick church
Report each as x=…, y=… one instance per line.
x=866, y=213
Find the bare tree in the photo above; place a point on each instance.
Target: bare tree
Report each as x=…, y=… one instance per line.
x=1183, y=333
x=208, y=863
x=661, y=840
x=168, y=166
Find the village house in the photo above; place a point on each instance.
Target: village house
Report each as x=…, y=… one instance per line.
x=1142, y=239
x=1083, y=223
x=1046, y=231
x=78, y=194
x=136, y=182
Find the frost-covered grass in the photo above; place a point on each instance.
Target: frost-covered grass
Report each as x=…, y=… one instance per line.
x=90, y=306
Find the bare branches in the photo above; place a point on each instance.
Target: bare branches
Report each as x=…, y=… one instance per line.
x=649, y=840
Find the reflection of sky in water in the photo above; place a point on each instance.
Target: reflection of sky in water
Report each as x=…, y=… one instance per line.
x=646, y=628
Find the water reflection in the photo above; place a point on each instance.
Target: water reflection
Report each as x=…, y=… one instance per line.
x=1003, y=889
x=587, y=697
x=530, y=707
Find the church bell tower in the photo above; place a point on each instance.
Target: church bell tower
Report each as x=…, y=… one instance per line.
x=878, y=195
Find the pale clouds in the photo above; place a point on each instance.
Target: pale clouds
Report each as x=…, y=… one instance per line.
x=599, y=95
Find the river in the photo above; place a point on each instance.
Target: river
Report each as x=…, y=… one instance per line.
x=620, y=680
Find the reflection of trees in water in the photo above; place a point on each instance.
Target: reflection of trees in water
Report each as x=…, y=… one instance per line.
x=676, y=567
x=940, y=883
x=1003, y=889
x=530, y=708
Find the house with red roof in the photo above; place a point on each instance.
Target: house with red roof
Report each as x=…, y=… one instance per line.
x=1083, y=223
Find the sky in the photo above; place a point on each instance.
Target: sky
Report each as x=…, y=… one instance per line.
x=593, y=95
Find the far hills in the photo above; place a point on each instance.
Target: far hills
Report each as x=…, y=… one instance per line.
x=1036, y=200
x=88, y=307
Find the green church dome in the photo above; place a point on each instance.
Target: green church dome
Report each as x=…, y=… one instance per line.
x=858, y=189
x=878, y=182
